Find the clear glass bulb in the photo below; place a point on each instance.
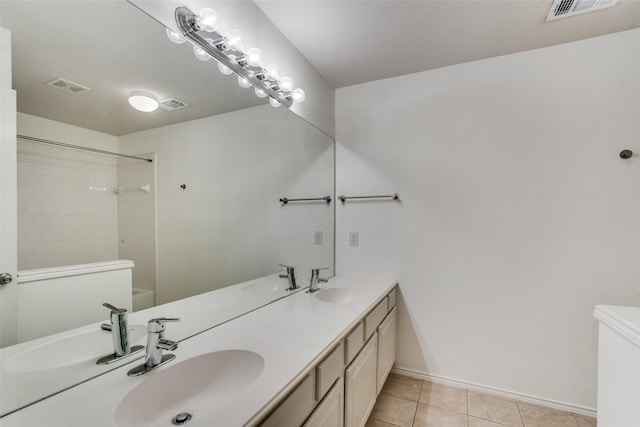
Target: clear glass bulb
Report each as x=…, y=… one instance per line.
x=207, y=20
x=260, y=93
x=200, y=53
x=286, y=84
x=254, y=56
x=175, y=37
x=244, y=82
x=224, y=69
x=233, y=39
x=298, y=95
x=274, y=102
x=273, y=72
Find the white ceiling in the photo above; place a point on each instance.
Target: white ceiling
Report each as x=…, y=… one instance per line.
x=356, y=41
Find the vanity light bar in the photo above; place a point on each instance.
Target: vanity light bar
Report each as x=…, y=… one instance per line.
x=233, y=58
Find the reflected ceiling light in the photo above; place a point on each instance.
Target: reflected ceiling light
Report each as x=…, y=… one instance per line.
x=143, y=101
x=201, y=31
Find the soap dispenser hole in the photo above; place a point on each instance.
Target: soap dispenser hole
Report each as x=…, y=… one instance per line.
x=181, y=418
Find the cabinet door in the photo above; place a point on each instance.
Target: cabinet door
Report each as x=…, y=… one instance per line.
x=330, y=413
x=360, y=385
x=386, y=347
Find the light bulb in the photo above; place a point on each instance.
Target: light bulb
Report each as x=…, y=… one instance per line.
x=273, y=72
x=200, y=53
x=143, y=101
x=286, y=84
x=175, y=37
x=207, y=20
x=274, y=102
x=244, y=82
x=224, y=69
x=254, y=56
x=260, y=93
x=298, y=95
x=233, y=39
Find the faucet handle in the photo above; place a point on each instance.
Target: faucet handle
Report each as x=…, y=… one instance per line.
x=115, y=310
x=316, y=271
x=157, y=324
x=288, y=267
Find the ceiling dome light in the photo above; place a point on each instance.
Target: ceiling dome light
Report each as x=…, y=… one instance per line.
x=143, y=101
x=207, y=20
x=298, y=95
x=286, y=84
x=175, y=37
x=233, y=39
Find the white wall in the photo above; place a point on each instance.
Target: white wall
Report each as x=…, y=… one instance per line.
x=67, y=210
x=517, y=214
x=227, y=226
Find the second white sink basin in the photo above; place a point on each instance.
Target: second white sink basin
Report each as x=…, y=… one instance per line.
x=339, y=295
x=201, y=386
x=79, y=348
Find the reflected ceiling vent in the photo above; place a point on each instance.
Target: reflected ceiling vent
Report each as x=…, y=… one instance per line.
x=566, y=8
x=173, y=104
x=67, y=86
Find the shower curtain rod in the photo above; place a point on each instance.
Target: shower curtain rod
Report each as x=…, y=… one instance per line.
x=81, y=148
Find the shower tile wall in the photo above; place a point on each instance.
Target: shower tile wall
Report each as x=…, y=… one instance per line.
x=67, y=210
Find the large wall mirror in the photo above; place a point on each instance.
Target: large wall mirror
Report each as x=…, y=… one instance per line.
x=204, y=215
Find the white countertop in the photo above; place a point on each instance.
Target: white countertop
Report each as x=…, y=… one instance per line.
x=624, y=320
x=290, y=334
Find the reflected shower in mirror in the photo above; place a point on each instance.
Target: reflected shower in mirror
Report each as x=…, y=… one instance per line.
x=205, y=214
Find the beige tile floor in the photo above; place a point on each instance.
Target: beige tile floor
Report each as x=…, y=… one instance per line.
x=408, y=402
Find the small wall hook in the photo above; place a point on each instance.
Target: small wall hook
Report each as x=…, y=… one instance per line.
x=626, y=154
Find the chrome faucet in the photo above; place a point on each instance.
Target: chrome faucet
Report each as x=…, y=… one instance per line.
x=291, y=276
x=120, y=336
x=156, y=343
x=315, y=279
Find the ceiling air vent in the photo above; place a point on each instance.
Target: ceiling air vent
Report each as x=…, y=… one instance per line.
x=173, y=104
x=67, y=86
x=566, y=8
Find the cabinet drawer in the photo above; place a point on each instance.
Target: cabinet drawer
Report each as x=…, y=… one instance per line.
x=392, y=298
x=353, y=343
x=296, y=407
x=374, y=318
x=329, y=370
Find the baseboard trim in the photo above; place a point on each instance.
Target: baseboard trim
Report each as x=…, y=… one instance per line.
x=495, y=391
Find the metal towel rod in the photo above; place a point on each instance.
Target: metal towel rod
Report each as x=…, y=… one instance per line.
x=327, y=199
x=394, y=196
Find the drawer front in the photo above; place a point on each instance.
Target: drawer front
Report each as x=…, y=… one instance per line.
x=374, y=318
x=329, y=370
x=392, y=298
x=296, y=407
x=353, y=343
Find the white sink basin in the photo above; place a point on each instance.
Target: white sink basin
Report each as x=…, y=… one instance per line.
x=202, y=386
x=72, y=350
x=339, y=295
x=267, y=286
